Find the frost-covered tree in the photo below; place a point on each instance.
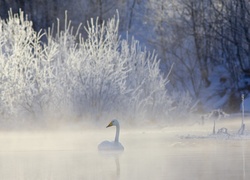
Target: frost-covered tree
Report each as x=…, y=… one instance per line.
x=148, y=97
x=23, y=69
x=107, y=75
x=95, y=77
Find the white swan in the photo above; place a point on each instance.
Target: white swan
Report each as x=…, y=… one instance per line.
x=114, y=145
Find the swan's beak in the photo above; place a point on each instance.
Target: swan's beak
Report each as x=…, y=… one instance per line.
x=110, y=124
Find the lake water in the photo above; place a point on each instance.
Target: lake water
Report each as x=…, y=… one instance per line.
x=148, y=154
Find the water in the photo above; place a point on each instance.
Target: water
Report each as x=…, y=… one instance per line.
x=149, y=154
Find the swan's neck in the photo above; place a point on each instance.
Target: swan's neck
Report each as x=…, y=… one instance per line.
x=117, y=133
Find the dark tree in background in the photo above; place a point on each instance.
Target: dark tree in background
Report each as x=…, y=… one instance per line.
x=41, y=12
x=204, y=39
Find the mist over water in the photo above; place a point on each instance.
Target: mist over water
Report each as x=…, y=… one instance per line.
x=150, y=153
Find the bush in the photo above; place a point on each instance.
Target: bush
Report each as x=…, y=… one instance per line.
x=97, y=77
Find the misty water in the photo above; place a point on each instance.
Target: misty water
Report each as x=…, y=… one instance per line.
x=156, y=153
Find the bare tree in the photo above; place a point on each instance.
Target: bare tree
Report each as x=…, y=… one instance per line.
x=182, y=37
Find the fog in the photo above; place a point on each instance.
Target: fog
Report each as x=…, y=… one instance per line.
x=172, y=152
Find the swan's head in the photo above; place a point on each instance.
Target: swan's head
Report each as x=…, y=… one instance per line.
x=113, y=123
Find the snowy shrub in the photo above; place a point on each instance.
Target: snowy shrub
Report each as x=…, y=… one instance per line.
x=23, y=70
x=147, y=97
x=103, y=75
x=97, y=77
x=102, y=70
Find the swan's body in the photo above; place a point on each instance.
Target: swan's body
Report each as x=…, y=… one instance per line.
x=110, y=146
x=113, y=145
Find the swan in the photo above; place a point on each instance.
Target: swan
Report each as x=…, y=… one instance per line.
x=113, y=145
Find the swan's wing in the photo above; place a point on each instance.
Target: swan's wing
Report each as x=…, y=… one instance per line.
x=110, y=146
x=105, y=145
